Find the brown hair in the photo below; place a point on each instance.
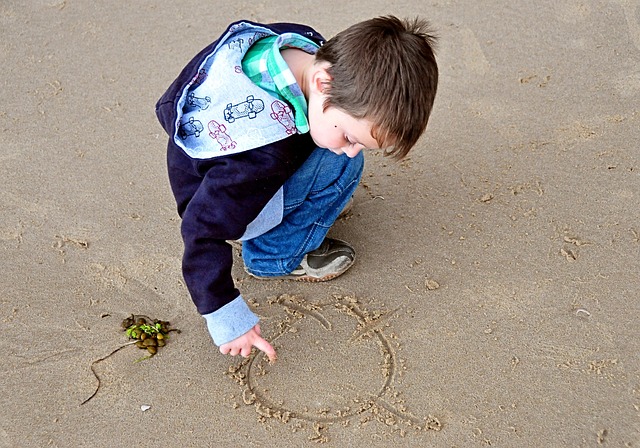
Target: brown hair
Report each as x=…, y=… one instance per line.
x=384, y=70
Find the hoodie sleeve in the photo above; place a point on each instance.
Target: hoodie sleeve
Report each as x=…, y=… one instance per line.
x=230, y=322
x=230, y=194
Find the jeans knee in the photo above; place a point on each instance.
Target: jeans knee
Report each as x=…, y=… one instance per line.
x=352, y=170
x=358, y=164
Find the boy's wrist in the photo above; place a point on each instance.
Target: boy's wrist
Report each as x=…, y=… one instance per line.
x=231, y=321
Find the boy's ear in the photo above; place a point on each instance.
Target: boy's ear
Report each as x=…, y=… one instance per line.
x=320, y=78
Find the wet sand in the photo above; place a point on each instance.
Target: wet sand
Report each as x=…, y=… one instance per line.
x=495, y=297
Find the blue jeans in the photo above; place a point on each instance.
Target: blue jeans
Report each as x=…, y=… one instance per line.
x=313, y=198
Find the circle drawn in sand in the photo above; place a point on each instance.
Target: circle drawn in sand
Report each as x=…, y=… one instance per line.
x=357, y=369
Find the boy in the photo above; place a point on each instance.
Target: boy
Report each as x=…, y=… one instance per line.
x=266, y=127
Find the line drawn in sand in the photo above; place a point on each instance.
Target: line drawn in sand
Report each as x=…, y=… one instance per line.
x=340, y=403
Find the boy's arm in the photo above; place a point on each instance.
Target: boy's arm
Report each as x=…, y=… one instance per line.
x=218, y=208
x=217, y=199
x=233, y=327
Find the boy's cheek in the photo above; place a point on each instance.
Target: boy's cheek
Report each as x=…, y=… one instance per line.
x=318, y=139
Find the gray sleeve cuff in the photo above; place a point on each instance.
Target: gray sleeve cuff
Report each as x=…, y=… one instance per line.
x=230, y=322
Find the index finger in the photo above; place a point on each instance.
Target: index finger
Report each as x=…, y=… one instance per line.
x=262, y=344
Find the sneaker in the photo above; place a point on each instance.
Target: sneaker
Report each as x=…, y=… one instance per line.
x=327, y=262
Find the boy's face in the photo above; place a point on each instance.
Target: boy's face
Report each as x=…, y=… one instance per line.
x=333, y=128
x=338, y=131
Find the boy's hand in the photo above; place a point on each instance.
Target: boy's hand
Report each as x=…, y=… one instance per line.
x=243, y=344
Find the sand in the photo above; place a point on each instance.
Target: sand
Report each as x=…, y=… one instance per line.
x=494, y=301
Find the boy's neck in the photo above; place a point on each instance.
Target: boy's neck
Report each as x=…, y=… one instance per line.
x=300, y=64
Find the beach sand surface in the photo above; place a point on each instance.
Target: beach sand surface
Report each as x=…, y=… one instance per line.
x=495, y=298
